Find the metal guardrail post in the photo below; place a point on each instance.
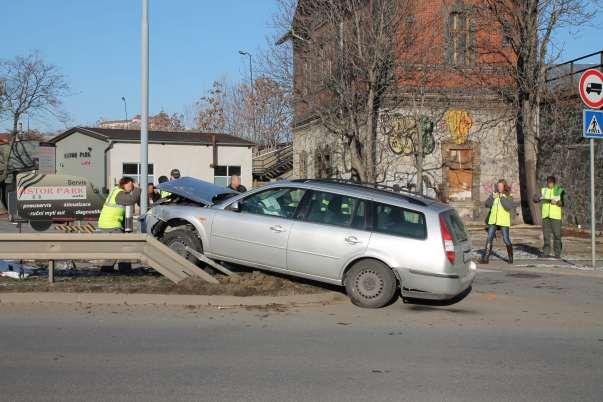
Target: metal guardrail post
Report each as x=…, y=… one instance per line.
x=51, y=271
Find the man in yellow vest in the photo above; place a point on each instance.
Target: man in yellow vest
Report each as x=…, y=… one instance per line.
x=552, y=200
x=113, y=213
x=163, y=193
x=501, y=204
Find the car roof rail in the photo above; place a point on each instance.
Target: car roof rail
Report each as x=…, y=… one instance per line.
x=391, y=190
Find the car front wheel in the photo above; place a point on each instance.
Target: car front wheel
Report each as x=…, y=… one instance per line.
x=181, y=238
x=370, y=284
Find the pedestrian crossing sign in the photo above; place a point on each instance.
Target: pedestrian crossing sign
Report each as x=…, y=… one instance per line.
x=592, y=124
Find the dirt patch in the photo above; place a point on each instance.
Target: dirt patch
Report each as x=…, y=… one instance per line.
x=245, y=284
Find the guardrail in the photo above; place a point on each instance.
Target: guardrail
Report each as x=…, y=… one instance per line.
x=100, y=246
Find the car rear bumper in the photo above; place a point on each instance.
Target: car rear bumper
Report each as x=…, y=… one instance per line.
x=433, y=286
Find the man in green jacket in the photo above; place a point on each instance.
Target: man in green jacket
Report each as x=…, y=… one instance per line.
x=552, y=200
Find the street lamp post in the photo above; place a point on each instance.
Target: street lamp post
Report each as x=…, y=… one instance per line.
x=252, y=92
x=144, y=112
x=123, y=98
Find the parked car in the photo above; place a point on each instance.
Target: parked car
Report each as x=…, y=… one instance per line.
x=371, y=241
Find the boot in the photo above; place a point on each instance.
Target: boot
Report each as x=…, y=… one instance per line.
x=487, y=251
x=510, y=254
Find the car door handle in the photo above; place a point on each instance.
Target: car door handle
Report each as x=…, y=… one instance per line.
x=352, y=240
x=277, y=228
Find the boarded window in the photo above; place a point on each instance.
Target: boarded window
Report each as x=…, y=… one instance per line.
x=460, y=174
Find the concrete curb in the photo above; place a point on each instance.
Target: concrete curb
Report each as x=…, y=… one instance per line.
x=140, y=299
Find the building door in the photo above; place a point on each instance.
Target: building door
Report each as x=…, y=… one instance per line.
x=460, y=174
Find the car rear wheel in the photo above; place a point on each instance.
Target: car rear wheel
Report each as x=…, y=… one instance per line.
x=370, y=284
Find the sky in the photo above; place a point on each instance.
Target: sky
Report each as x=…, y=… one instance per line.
x=96, y=45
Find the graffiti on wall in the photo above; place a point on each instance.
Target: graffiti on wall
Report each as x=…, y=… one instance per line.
x=402, y=131
x=459, y=123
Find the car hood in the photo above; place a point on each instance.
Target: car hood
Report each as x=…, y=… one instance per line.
x=196, y=190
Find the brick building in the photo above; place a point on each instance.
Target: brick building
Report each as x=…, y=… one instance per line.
x=448, y=95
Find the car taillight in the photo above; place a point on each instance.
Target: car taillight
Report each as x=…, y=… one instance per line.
x=447, y=240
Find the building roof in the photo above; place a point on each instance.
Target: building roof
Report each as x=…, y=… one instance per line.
x=163, y=137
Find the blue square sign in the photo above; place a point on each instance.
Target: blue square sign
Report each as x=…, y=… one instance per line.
x=592, y=124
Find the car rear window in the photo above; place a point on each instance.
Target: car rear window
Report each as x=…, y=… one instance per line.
x=456, y=226
x=399, y=221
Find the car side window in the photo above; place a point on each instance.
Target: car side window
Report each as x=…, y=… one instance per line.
x=336, y=209
x=399, y=221
x=281, y=202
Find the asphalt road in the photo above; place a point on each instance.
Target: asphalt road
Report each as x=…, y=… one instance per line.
x=534, y=337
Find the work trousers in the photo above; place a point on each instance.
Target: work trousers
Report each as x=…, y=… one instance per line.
x=551, y=228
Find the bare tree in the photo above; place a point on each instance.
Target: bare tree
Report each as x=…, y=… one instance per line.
x=30, y=86
x=165, y=122
x=348, y=60
x=210, y=109
x=528, y=28
x=261, y=114
x=276, y=58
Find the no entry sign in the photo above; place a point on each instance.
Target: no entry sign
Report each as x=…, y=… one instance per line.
x=591, y=88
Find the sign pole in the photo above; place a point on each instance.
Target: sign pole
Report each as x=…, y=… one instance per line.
x=590, y=89
x=593, y=221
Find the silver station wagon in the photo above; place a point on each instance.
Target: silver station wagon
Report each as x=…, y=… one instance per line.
x=375, y=242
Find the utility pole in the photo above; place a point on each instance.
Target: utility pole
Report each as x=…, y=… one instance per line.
x=144, y=112
x=252, y=92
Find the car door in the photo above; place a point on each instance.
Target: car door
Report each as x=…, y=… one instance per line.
x=257, y=231
x=329, y=232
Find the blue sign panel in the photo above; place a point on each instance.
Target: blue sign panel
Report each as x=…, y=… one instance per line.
x=592, y=124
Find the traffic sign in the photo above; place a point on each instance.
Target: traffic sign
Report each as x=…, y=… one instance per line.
x=591, y=88
x=592, y=124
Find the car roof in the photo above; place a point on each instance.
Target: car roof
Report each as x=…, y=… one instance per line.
x=376, y=193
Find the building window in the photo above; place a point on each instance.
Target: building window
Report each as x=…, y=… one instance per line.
x=222, y=174
x=133, y=170
x=461, y=38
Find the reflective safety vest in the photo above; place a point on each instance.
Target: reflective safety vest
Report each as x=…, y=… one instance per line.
x=499, y=215
x=550, y=210
x=112, y=215
x=164, y=194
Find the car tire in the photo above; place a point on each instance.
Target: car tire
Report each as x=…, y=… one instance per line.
x=179, y=239
x=370, y=284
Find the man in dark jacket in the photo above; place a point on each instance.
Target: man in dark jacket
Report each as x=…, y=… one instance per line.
x=235, y=184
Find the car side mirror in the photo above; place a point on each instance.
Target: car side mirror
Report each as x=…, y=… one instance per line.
x=235, y=207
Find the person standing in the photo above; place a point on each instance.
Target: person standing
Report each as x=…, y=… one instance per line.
x=552, y=200
x=114, y=209
x=113, y=215
x=153, y=195
x=163, y=193
x=235, y=184
x=174, y=174
x=501, y=204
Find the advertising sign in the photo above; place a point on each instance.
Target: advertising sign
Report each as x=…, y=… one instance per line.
x=56, y=198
